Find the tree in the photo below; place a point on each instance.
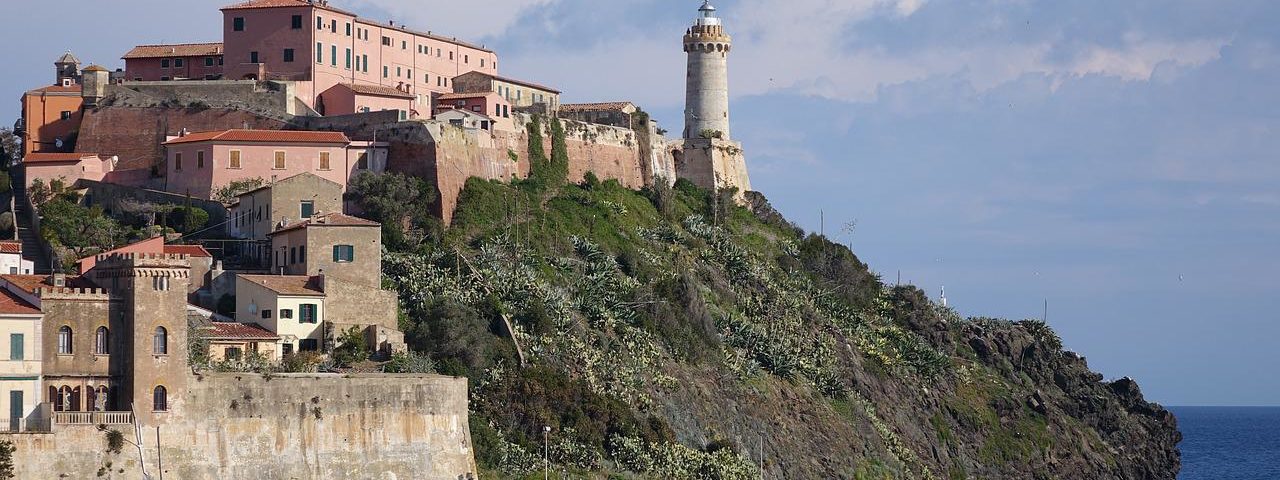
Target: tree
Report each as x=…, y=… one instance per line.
x=351, y=348
x=78, y=228
x=10, y=147
x=401, y=203
x=228, y=193
x=6, y=459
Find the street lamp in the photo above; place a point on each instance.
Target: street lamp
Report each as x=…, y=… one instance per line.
x=546, y=450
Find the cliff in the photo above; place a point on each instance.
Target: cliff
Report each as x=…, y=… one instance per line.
x=670, y=333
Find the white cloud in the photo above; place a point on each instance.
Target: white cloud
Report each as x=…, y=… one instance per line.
x=468, y=20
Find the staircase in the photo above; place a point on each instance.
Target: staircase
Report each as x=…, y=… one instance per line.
x=32, y=245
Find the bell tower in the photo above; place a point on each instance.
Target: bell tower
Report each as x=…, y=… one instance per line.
x=706, y=113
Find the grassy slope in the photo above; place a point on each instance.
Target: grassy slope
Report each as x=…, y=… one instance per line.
x=696, y=342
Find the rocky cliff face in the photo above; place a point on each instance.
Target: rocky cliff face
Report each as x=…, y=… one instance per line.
x=672, y=334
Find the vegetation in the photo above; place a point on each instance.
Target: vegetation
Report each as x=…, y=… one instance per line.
x=401, y=203
x=79, y=229
x=351, y=348
x=6, y=459
x=227, y=193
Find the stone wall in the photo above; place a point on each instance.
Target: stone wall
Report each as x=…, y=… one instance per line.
x=285, y=427
x=135, y=134
x=111, y=197
x=714, y=163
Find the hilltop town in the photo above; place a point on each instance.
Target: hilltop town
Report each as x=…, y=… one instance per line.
x=333, y=247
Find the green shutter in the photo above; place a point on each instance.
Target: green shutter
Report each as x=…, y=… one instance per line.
x=16, y=346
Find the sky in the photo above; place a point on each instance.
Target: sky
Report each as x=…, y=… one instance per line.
x=1117, y=160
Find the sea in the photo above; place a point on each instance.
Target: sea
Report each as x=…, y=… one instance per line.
x=1229, y=443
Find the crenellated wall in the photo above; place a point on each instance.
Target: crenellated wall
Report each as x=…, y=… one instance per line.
x=282, y=427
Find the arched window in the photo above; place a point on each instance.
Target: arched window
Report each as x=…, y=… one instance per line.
x=160, y=342
x=101, y=399
x=64, y=340
x=101, y=341
x=160, y=400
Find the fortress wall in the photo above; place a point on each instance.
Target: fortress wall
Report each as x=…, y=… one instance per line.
x=286, y=427
x=135, y=134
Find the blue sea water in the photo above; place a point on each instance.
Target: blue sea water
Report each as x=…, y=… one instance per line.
x=1229, y=443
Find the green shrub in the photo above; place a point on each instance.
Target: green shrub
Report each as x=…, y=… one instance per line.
x=352, y=348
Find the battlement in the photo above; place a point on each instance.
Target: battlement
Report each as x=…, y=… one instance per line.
x=706, y=34
x=133, y=260
x=69, y=293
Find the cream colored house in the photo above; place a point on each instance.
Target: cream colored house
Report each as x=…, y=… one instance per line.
x=291, y=306
x=20, y=363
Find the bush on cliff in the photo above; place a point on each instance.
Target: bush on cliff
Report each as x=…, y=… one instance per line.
x=401, y=203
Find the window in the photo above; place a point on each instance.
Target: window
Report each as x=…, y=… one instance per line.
x=324, y=163
x=200, y=159
x=409, y=74
x=286, y=313
x=233, y=353
x=307, y=314
x=164, y=63
x=309, y=345
x=177, y=63
x=288, y=55
x=399, y=72
x=65, y=115
x=208, y=61
x=319, y=23
x=286, y=349
x=302, y=254
x=404, y=45
x=160, y=341
x=348, y=29
x=363, y=162
x=481, y=63
x=16, y=345
x=160, y=399
x=296, y=22
x=164, y=79
x=266, y=313
x=64, y=341
x=319, y=52
x=234, y=160
x=450, y=55
x=237, y=24
x=344, y=253
x=385, y=71
x=466, y=59
x=386, y=41
x=426, y=78
x=219, y=60
x=357, y=63
x=253, y=57
x=279, y=161
x=365, y=61
x=333, y=55
x=177, y=161
x=101, y=342
x=348, y=59
x=293, y=255
x=333, y=26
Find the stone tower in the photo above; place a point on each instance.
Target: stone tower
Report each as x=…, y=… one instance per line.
x=68, y=68
x=706, y=112
x=709, y=157
x=95, y=80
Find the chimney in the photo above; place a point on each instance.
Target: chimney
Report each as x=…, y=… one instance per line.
x=59, y=280
x=183, y=132
x=320, y=279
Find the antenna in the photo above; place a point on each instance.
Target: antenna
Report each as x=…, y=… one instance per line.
x=944, y=295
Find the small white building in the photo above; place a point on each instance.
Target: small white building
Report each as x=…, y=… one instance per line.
x=291, y=306
x=466, y=119
x=11, y=261
x=20, y=367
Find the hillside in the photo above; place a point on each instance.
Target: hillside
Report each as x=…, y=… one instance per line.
x=672, y=334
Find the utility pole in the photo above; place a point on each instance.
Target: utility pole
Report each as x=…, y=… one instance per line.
x=159, y=460
x=546, y=453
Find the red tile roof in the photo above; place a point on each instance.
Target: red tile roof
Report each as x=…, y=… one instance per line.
x=14, y=305
x=57, y=157
x=188, y=250
x=596, y=107
x=514, y=81
x=74, y=89
x=378, y=90
x=29, y=283
x=263, y=136
x=11, y=247
x=239, y=331
x=461, y=96
x=175, y=50
x=328, y=220
x=296, y=285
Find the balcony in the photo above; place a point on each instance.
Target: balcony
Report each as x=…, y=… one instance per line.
x=92, y=418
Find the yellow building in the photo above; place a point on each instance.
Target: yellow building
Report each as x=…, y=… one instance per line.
x=20, y=392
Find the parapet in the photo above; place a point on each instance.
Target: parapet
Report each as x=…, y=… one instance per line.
x=68, y=293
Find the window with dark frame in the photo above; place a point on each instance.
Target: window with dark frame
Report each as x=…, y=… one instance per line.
x=237, y=24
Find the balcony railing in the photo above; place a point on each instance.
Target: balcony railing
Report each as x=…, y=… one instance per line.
x=23, y=425
x=92, y=418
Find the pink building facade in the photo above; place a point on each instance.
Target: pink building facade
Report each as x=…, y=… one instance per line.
x=200, y=163
x=67, y=167
x=187, y=61
x=349, y=98
x=319, y=47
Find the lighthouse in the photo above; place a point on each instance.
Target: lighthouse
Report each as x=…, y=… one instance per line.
x=709, y=157
x=707, y=87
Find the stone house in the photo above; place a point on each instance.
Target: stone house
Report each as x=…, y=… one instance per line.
x=258, y=212
x=488, y=104
x=467, y=120
x=519, y=93
x=618, y=114
x=290, y=306
x=199, y=259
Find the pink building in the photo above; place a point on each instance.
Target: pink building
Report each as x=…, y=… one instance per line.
x=349, y=98
x=186, y=61
x=201, y=163
x=67, y=167
x=320, y=46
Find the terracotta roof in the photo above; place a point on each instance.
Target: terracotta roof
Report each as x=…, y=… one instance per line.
x=512, y=80
x=57, y=89
x=175, y=50
x=96, y=68
x=603, y=106
x=296, y=285
x=239, y=331
x=29, y=283
x=364, y=89
x=460, y=96
x=328, y=220
x=14, y=305
x=188, y=250
x=264, y=136
x=466, y=112
x=11, y=247
x=57, y=157
x=68, y=58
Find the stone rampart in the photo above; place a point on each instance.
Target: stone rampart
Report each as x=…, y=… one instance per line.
x=285, y=427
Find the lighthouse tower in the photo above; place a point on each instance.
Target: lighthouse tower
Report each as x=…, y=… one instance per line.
x=709, y=157
x=707, y=90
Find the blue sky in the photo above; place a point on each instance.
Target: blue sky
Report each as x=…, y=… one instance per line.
x=1118, y=159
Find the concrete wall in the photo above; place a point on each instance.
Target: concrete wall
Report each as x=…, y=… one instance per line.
x=285, y=427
